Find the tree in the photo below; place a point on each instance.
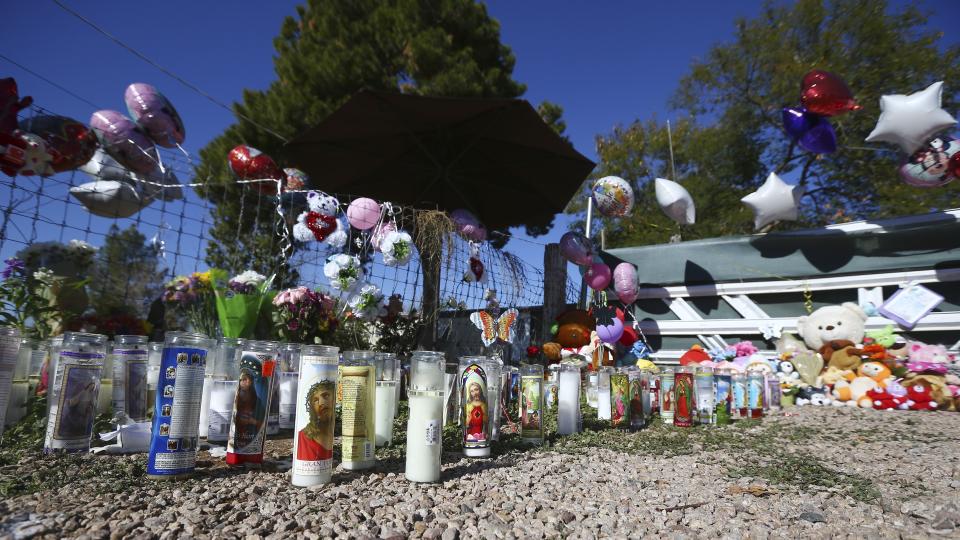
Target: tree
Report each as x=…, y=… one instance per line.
x=125, y=276
x=729, y=136
x=330, y=50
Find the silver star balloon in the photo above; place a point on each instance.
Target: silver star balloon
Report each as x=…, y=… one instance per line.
x=776, y=200
x=675, y=201
x=910, y=121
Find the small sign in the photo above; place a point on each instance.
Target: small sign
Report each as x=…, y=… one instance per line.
x=910, y=304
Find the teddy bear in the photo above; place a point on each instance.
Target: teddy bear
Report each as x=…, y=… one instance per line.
x=787, y=373
x=877, y=371
x=831, y=323
x=936, y=384
x=885, y=401
x=923, y=358
x=921, y=398
x=574, y=328
x=810, y=395
x=319, y=223
x=841, y=354
x=854, y=393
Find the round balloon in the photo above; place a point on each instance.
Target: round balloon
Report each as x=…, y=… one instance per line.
x=610, y=333
x=613, y=195
x=826, y=94
x=931, y=165
x=296, y=179
x=598, y=276
x=363, y=213
x=37, y=159
x=154, y=114
x=576, y=248
x=625, y=282
x=468, y=225
x=121, y=139
x=70, y=143
x=248, y=163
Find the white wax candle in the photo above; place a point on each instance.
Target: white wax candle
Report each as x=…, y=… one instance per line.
x=386, y=394
x=603, y=396
x=424, y=437
x=205, y=406
x=222, y=396
x=451, y=398
x=17, y=406
x=288, y=399
x=568, y=415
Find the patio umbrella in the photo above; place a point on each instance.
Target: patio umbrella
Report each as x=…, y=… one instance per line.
x=495, y=157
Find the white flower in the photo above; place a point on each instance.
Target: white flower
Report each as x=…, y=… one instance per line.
x=368, y=303
x=343, y=271
x=397, y=248
x=250, y=277
x=43, y=275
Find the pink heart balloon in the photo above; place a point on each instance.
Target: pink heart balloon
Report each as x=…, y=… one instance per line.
x=598, y=276
x=625, y=282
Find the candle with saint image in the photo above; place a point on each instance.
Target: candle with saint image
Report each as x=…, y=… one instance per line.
x=705, y=395
x=315, y=416
x=738, y=384
x=248, y=425
x=476, y=375
x=74, y=392
x=19, y=385
x=531, y=403
x=386, y=395
x=358, y=376
x=755, y=388
x=667, y=380
x=130, y=377
x=683, y=397
x=425, y=424
x=568, y=411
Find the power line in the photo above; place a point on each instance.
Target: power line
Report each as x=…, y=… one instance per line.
x=165, y=70
x=48, y=81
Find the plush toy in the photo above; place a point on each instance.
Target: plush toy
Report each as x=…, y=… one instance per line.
x=573, y=332
x=854, y=393
x=937, y=384
x=787, y=373
x=841, y=354
x=319, y=221
x=885, y=401
x=694, y=356
x=928, y=358
x=811, y=395
x=921, y=398
x=877, y=371
x=844, y=322
x=832, y=375
x=886, y=337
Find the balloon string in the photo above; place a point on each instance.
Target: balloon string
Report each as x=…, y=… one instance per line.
x=673, y=170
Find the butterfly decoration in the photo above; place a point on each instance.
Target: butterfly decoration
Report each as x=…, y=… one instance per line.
x=491, y=329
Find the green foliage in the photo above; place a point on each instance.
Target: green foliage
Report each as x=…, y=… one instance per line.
x=327, y=52
x=729, y=135
x=28, y=303
x=126, y=274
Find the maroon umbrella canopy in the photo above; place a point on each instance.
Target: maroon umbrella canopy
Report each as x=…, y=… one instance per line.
x=495, y=157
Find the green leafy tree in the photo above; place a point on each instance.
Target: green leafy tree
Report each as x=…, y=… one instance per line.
x=126, y=277
x=729, y=136
x=330, y=50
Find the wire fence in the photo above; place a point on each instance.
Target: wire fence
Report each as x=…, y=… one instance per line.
x=177, y=223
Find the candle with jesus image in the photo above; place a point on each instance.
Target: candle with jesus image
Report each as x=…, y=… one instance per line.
x=476, y=407
x=315, y=417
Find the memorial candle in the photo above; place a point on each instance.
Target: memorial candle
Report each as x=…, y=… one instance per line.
x=425, y=393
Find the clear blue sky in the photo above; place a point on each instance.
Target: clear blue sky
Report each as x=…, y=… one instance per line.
x=604, y=62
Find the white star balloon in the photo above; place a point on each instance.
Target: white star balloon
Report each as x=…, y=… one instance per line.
x=776, y=200
x=675, y=201
x=910, y=121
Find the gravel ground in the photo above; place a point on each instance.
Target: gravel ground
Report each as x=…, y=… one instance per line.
x=810, y=472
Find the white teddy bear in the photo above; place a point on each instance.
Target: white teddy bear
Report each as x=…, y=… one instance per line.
x=829, y=323
x=320, y=222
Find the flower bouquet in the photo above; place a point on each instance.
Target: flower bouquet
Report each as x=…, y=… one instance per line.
x=302, y=315
x=343, y=271
x=367, y=304
x=26, y=296
x=238, y=304
x=193, y=297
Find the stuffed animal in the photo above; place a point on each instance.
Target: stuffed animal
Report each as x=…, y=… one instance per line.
x=573, y=332
x=876, y=371
x=886, y=337
x=811, y=395
x=831, y=323
x=885, y=401
x=787, y=373
x=854, y=393
x=841, y=354
x=832, y=375
x=920, y=398
x=937, y=384
x=320, y=221
x=925, y=358
x=695, y=355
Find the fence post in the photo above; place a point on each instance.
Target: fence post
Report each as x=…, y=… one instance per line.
x=554, y=288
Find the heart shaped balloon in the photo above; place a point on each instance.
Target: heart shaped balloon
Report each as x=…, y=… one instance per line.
x=320, y=225
x=125, y=143
x=826, y=94
x=70, y=143
x=576, y=248
x=797, y=121
x=808, y=364
x=819, y=139
x=248, y=163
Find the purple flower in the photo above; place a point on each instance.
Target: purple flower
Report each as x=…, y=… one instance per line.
x=13, y=266
x=293, y=325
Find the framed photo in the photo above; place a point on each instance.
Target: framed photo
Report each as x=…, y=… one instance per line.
x=910, y=304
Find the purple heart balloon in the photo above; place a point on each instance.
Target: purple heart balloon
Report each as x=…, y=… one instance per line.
x=819, y=139
x=797, y=121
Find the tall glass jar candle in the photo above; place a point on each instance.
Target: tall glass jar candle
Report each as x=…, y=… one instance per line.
x=386, y=395
x=724, y=402
x=154, y=359
x=568, y=409
x=591, y=388
x=289, y=362
x=37, y=358
x=358, y=375
x=10, y=343
x=603, y=393
x=425, y=424
x=531, y=403
x=223, y=388
x=19, y=385
x=739, y=390
x=495, y=387
x=130, y=377
x=706, y=398
x=755, y=389
x=476, y=375
x=667, y=380
x=74, y=392
x=620, y=398
x=684, y=397
x=551, y=388
x=176, y=422
x=451, y=395
x=248, y=425
x=316, y=415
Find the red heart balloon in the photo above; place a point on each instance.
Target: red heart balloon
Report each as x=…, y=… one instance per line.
x=826, y=94
x=320, y=225
x=248, y=163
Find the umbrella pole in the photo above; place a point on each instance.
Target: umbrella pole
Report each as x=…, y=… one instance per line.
x=583, y=280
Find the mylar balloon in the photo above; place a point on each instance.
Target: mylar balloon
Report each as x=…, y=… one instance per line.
x=775, y=200
x=103, y=167
x=296, y=179
x=121, y=139
x=819, y=139
x=576, y=248
x=931, y=165
x=613, y=195
x=598, y=276
x=797, y=121
x=363, y=213
x=109, y=198
x=675, y=201
x=610, y=333
x=154, y=114
x=625, y=282
x=70, y=143
x=380, y=233
x=826, y=94
x=37, y=160
x=10, y=104
x=248, y=163
x=910, y=121
x=468, y=225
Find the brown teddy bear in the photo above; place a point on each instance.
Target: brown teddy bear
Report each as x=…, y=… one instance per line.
x=573, y=332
